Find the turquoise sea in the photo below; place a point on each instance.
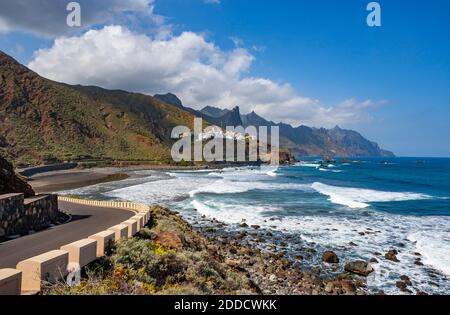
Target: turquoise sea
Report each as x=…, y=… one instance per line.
x=359, y=208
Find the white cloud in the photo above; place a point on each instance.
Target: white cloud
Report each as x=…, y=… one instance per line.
x=48, y=17
x=238, y=42
x=259, y=48
x=189, y=65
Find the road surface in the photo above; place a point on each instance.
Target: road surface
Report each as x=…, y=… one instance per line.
x=85, y=222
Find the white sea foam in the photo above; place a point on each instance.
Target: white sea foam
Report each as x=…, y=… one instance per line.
x=224, y=186
x=307, y=164
x=382, y=232
x=327, y=170
x=360, y=198
x=434, y=246
x=268, y=170
x=427, y=235
x=159, y=191
x=231, y=213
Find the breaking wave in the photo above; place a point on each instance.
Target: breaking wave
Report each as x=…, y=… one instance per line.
x=357, y=198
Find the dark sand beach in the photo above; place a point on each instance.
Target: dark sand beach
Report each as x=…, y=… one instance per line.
x=55, y=181
x=71, y=179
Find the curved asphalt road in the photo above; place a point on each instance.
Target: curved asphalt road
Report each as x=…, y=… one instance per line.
x=85, y=222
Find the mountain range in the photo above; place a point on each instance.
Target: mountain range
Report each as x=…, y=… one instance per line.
x=42, y=121
x=300, y=141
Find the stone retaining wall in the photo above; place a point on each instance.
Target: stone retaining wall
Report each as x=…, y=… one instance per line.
x=19, y=216
x=41, y=211
x=11, y=210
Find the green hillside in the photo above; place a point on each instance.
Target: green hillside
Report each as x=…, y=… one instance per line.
x=45, y=121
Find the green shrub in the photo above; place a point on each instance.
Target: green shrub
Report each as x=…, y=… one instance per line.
x=146, y=234
x=134, y=254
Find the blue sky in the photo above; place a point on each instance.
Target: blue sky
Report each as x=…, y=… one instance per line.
x=395, y=78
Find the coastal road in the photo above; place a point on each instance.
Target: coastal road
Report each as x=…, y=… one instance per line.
x=86, y=221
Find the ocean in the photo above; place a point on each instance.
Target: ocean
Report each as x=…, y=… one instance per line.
x=359, y=208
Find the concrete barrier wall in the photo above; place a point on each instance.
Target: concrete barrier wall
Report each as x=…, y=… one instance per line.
x=135, y=207
x=105, y=241
x=49, y=267
x=141, y=220
x=82, y=252
x=10, y=281
x=132, y=226
x=120, y=231
x=52, y=266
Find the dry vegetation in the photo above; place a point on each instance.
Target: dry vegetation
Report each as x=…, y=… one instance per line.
x=167, y=257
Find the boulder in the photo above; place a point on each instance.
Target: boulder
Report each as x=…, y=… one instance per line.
x=10, y=182
x=392, y=255
x=330, y=257
x=403, y=286
x=359, y=267
x=329, y=287
x=406, y=279
x=347, y=286
x=344, y=276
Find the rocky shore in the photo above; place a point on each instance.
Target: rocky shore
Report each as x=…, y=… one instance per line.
x=170, y=257
x=274, y=272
